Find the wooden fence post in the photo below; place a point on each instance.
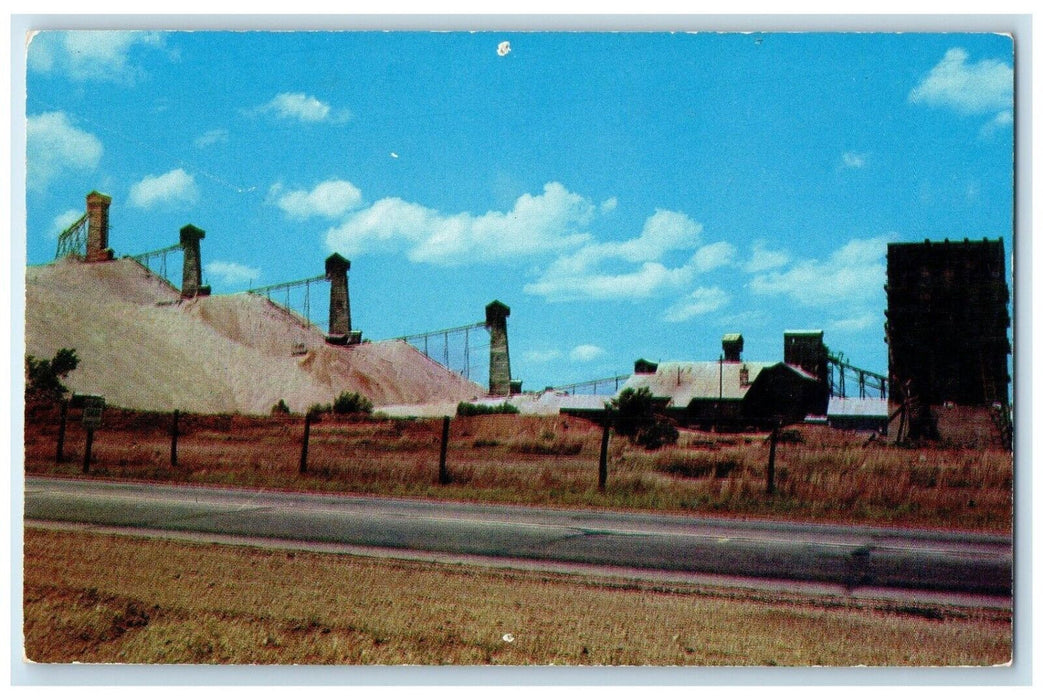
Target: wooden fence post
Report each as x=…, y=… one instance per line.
x=87, y=451
x=304, y=445
x=63, y=415
x=771, y=457
x=603, y=459
x=173, y=440
x=443, y=471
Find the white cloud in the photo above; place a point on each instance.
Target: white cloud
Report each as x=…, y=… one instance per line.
x=64, y=220
x=174, y=188
x=541, y=356
x=969, y=88
x=764, y=259
x=1000, y=121
x=663, y=232
x=1004, y=118
x=587, y=353
x=853, y=160
x=230, y=273
x=102, y=55
x=608, y=205
x=701, y=301
x=713, y=256
x=54, y=146
x=582, y=274
x=40, y=54
x=550, y=221
x=649, y=279
x=332, y=199
x=853, y=274
x=302, y=107
x=211, y=137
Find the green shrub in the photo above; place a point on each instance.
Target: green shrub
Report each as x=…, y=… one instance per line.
x=634, y=417
x=658, y=433
x=43, y=377
x=632, y=410
x=352, y=402
x=475, y=409
x=317, y=409
x=281, y=409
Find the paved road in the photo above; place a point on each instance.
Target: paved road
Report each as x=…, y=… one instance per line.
x=851, y=557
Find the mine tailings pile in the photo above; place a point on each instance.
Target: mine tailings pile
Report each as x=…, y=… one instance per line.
x=142, y=344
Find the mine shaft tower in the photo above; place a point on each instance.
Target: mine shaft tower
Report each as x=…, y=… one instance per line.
x=947, y=322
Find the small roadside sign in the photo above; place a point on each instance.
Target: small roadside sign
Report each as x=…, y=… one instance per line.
x=92, y=410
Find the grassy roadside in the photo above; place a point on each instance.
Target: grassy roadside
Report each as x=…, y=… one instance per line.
x=101, y=598
x=822, y=474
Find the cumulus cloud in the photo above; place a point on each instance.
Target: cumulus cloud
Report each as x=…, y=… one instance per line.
x=64, y=220
x=331, y=199
x=587, y=353
x=212, y=137
x=663, y=232
x=102, y=55
x=549, y=221
x=702, y=300
x=969, y=88
x=174, y=188
x=763, y=259
x=593, y=270
x=302, y=107
x=649, y=279
x=55, y=146
x=713, y=256
x=853, y=274
x=230, y=273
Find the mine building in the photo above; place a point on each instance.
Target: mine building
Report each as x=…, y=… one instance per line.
x=731, y=392
x=947, y=322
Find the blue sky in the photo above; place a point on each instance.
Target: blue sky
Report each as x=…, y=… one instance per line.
x=626, y=194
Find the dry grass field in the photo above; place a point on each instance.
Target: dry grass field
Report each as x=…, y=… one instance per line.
x=821, y=474
x=114, y=599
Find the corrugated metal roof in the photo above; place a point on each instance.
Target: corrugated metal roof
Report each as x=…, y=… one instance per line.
x=869, y=408
x=683, y=381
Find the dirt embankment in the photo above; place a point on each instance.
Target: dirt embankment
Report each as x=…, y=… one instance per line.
x=142, y=346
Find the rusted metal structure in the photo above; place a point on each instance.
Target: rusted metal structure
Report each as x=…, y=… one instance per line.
x=88, y=237
x=436, y=346
x=947, y=321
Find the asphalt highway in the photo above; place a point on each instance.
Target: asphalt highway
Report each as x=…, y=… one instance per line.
x=837, y=557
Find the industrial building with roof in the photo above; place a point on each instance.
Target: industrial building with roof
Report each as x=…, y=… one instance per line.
x=731, y=392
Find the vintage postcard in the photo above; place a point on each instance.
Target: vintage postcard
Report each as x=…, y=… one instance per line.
x=519, y=348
